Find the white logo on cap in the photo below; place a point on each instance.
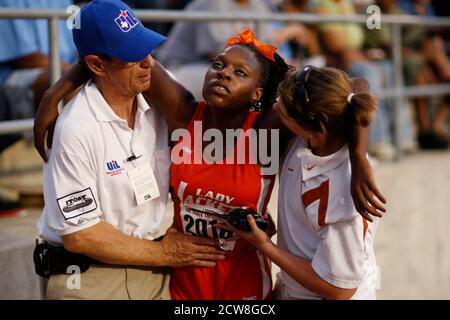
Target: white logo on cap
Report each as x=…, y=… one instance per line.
x=126, y=21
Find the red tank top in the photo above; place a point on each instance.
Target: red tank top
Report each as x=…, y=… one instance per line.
x=216, y=186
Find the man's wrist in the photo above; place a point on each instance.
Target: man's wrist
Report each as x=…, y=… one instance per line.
x=160, y=254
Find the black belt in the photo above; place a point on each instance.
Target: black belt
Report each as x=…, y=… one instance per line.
x=49, y=260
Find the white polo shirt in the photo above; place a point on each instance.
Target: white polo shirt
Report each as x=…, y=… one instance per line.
x=86, y=180
x=317, y=221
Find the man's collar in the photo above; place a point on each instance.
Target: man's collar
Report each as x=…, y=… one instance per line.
x=102, y=110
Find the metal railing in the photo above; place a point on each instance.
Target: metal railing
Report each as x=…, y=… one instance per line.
x=399, y=92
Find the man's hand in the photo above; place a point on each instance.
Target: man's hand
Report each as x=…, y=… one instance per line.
x=44, y=122
x=185, y=250
x=363, y=189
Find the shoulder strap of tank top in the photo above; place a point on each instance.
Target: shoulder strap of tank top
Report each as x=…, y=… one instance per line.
x=250, y=120
x=198, y=114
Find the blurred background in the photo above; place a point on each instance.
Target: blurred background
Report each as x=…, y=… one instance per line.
x=401, y=47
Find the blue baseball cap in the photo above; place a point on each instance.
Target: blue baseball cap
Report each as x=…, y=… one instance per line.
x=110, y=27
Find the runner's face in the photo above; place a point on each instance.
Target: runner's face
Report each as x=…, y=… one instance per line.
x=130, y=77
x=233, y=79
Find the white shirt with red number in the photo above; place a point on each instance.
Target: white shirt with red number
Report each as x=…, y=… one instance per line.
x=86, y=178
x=317, y=221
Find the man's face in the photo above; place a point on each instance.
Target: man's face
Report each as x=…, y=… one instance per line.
x=129, y=78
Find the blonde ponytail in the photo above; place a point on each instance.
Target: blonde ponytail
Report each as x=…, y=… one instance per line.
x=363, y=107
x=332, y=104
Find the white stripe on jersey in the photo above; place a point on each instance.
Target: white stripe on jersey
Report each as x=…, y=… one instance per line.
x=265, y=185
x=267, y=284
x=181, y=189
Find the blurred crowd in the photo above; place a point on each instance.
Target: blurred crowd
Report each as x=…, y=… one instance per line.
x=360, y=51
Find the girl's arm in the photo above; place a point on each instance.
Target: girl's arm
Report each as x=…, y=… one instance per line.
x=363, y=187
x=47, y=111
x=166, y=94
x=302, y=272
x=299, y=269
x=175, y=102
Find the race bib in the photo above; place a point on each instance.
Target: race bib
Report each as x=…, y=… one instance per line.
x=201, y=220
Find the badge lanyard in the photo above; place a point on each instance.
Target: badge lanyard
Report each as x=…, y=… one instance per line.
x=140, y=174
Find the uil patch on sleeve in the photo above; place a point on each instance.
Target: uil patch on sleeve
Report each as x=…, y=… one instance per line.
x=77, y=204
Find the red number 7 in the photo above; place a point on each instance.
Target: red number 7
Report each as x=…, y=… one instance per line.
x=320, y=193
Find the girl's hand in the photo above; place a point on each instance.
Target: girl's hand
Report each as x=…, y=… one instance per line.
x=255, y=236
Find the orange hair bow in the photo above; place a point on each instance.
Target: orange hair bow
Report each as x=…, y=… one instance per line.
x=247, y=36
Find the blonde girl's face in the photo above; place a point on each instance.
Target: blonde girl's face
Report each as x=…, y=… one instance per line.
x=290, y=123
